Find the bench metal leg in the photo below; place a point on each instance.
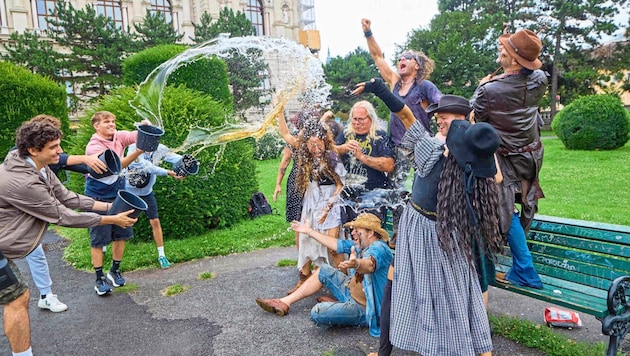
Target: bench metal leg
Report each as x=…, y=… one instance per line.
x=617, y=323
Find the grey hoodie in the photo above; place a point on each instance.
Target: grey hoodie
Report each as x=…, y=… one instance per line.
x=28, y=203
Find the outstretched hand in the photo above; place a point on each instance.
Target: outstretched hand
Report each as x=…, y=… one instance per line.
x=302, y=228
x=351, y=262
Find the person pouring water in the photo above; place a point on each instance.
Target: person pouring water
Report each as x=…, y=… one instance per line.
x=143, y=171
x=106, y=189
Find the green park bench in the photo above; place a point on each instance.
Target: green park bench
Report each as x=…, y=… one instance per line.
x=584, y=266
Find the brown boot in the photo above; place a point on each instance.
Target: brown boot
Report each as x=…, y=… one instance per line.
x=301, y=281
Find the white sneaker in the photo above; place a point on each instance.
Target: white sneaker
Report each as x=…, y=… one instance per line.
x=52, y=303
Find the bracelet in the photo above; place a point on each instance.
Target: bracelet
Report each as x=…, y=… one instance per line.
x=358, y=263
x=368, y=33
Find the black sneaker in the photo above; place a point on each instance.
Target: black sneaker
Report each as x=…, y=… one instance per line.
x=116, y=278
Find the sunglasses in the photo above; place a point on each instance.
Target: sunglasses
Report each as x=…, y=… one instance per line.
x=407, y=56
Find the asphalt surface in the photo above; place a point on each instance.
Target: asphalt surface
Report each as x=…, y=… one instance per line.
x=216, y=316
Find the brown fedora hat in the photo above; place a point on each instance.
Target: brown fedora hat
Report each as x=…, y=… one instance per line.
x=524, y=46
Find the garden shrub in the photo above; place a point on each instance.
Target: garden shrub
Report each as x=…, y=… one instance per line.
x=269, y=146
x=594, y=122
x=206, y=75
x=24, y=95
x=216, y=196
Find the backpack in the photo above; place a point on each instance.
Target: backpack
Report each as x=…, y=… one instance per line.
x=258, y=205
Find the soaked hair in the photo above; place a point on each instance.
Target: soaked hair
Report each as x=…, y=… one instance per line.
x=35, y=134
x=97, y=117
x=371, y=112
x=454, y=228
x=425, y=63
x=311, y=168
x=304, y=115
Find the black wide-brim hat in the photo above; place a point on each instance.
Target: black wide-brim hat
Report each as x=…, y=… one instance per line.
x=450, y=103
x=473, y=145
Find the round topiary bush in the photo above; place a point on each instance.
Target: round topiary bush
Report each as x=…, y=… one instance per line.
x=595, y=122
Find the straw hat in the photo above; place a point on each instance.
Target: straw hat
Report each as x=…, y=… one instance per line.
x=370, y=222
x=524, y=46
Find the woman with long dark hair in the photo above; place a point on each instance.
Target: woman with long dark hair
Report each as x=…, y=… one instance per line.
x=451, y=219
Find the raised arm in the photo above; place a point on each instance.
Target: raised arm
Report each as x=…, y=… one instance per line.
x=284, y=131
x=390, y=76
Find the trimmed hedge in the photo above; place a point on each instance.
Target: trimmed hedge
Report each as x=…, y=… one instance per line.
x=594, y=122
x=206, y=75
x=216, y=196
x=24, y=95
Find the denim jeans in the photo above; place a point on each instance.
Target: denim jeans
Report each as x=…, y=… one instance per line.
x=346, y=311
x=39, y=270
x=522, y=271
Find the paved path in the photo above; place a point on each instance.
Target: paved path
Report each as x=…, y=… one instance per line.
x=214, y=317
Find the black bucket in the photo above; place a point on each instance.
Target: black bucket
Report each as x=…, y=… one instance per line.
x=126, y=201
x=149, y=137
x=139, y=179
x=111, y=160
x=187, y=166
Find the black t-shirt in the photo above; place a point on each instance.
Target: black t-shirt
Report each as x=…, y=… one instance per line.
x=357, y=171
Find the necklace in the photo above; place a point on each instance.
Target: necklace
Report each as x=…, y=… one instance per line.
x=405, y=83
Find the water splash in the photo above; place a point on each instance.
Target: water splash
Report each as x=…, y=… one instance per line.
x=293, y=71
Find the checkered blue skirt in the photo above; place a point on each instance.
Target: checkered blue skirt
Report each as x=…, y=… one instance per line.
x=437, y=306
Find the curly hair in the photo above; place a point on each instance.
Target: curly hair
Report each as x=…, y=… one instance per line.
x=426, y=64
x=454, y=226
x=47, y=118
x=311, y=168
x=35, y=134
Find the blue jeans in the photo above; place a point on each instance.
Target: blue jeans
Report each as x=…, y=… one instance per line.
x=522, y=271
x=346, y=311
x=39, y=270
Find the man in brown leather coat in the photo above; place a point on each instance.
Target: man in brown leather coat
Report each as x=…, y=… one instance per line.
x=509, y=102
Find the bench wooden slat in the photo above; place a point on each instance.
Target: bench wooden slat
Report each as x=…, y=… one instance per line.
x=609, y=267
x=619, y=234
x=605, y=248
x=588, y=285
x=566, y=298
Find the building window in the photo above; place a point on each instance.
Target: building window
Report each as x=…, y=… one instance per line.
x=254, y=13
x=163, y=6
x=45, y=11
x=111, y=9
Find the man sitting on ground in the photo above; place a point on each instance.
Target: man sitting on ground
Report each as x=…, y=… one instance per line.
x=358, y=294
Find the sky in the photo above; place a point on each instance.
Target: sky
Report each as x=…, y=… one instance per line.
x=339, y=23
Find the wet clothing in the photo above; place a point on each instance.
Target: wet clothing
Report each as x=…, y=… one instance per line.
x=314, y=204
x=362, y=174
x=510, y=104
x=419, y=92
x=348, y=311
x=437, y=305
x=294, y=199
